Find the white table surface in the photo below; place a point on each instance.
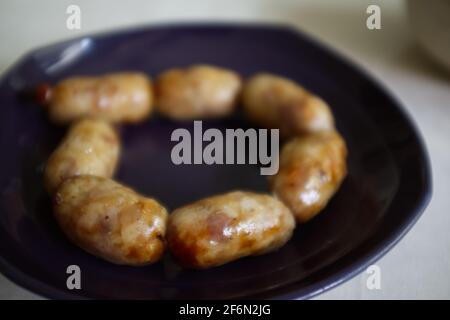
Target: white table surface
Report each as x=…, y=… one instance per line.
x=419, y=266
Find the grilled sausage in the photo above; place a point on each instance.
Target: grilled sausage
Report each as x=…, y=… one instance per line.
x=276, y=102
x=117, y=97
x=110, y=220
x=199, y=91
x=312, y=168
x=222, y=228
x=90, y=147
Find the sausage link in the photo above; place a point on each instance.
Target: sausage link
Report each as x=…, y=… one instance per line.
x=110, y=220
x=90, y=147
x=117, y=97
x=276, y=102
x=223, y=228
x=199, y=91
x=312, y=167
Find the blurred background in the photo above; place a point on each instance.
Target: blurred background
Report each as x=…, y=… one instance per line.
x=410, y=55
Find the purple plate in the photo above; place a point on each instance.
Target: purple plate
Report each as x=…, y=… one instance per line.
x=387, y=188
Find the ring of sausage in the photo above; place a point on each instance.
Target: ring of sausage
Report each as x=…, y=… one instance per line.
x=115, y=223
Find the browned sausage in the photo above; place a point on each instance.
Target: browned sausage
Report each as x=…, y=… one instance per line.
x=110, y=220
x=223, y=228
x=312, y=167
x=199, y=91
x=90, y=147
x=275, y=102
x=117, y=97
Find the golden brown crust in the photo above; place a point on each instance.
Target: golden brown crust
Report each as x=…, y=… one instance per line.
x=117, y=97
x=199, y=91
x=312, y=167
x=276, y=102
x=222, y=228
x=91, y=147
x=110, y=220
